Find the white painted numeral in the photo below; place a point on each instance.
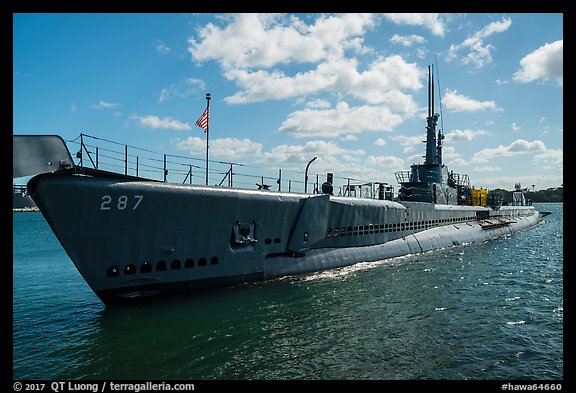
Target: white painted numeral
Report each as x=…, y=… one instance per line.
x=105, y=205
x=139, y=197
x=121, y=202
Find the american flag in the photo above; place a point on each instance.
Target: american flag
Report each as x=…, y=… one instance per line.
x=203, y=120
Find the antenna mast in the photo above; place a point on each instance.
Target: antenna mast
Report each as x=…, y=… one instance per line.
x=440, y=131
x=439, y=94
x=432, y=119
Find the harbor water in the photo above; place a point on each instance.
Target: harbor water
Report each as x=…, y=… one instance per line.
x=490, y=311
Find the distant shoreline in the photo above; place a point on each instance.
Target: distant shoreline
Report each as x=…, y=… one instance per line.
x=35, y=209
x=25, y=209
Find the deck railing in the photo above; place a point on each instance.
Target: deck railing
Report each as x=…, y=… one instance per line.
x=103, y=154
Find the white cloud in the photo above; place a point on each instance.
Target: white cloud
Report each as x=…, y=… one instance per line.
x=479, y=54
x=255, y=49
x=407, y=40
x=262, y=85
x=182, y=89
x=459, y=103
x=416, y=158
x=391, y=163
x=544, y=63
x=409, y=143
x=373, y=85
x=151, y=121
x=290, y=158
x=380, y=142
x=251, y=44
x=330, y=158
x=463, y=135
x=482, y=169
x=338, y=121
x=303, y=153
x=422, y=53
x=161, y=47
x=494, y=27
x=318, y=103
x=264, y=40
x=105, y=105
x=515, y=126
x=550, y=158
x=449, y=155
x=428, y=20
x=519, y=146
x=225, y=148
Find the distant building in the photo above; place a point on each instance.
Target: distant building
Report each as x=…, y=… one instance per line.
x=21, y=200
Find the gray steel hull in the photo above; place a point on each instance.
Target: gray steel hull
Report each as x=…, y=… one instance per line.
x=133, y=240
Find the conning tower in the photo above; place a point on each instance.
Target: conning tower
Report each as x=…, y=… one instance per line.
x=431, y=182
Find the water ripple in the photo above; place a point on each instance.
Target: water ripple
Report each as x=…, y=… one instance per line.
x=485, y=311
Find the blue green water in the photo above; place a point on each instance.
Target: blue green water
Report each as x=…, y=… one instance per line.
x=491, y=311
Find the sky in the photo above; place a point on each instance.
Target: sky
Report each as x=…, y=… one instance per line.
x=349, y=89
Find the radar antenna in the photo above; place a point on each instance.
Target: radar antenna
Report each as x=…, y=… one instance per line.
x=441, y=130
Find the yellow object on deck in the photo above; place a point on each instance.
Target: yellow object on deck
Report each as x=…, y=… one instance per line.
x=479, y=196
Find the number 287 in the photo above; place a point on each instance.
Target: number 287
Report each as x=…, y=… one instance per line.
x=123, y=202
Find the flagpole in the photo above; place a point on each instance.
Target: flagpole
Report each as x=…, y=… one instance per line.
x=207, y=132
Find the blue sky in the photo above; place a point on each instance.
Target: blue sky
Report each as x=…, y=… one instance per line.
x=349, y=89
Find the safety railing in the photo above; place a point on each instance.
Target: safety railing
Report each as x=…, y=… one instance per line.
x=103, y=154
